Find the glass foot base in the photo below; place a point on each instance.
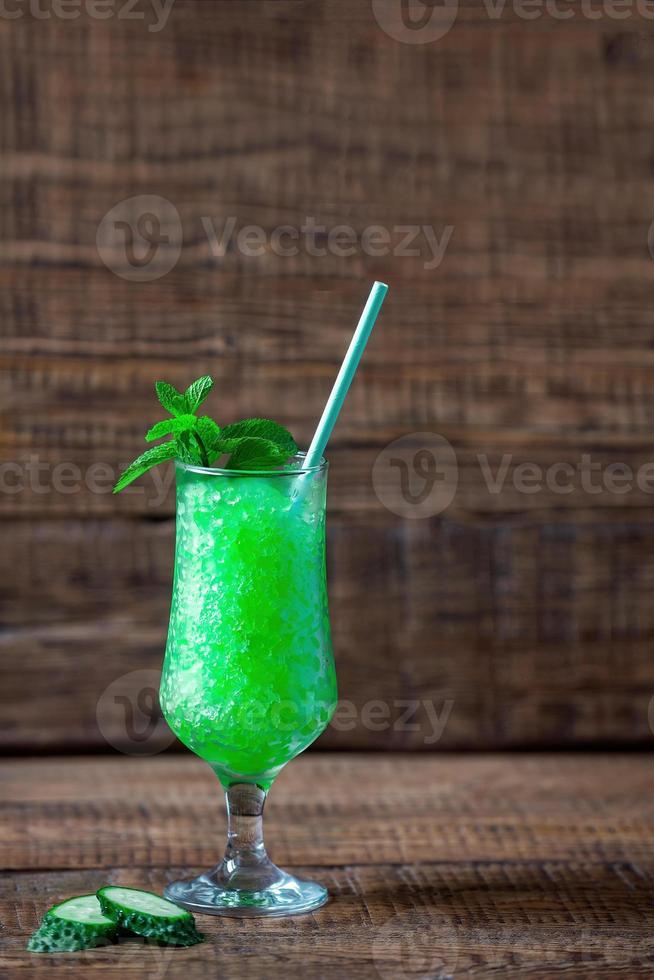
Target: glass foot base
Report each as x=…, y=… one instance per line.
x=285, y=895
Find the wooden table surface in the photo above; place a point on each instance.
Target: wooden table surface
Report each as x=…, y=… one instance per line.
x=438, y=866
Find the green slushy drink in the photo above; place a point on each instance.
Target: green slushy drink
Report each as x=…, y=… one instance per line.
x=249, y=679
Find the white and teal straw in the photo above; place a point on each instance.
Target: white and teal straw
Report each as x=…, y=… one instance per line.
x=346, y=374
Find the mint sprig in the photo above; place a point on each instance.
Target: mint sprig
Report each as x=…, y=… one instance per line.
x=148, y=459
x=197, y=392
x=171, y=399
x=251, y=453
x=252, y=444
x=265, y=429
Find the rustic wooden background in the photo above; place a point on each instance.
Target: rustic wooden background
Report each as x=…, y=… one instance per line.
x=527, y=618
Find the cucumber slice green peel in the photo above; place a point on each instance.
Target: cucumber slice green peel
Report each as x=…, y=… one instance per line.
x=148, y=915
x=77, y=923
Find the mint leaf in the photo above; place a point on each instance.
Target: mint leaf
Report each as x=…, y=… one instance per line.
x=160, y=429
x=167, y=426
x=253, y=453
x=209, y=432
x=260, y=429
x=196, y=393
x=190, y=448
x=186, y=450
x=202, y=452
x=171, y=399
x=151, y=457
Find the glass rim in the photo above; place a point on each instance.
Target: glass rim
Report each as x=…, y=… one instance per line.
x=221, y=471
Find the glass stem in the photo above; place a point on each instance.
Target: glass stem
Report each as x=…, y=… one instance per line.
x=246, y=863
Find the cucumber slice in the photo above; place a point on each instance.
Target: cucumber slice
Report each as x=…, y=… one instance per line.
x=77, y=923
x=148, y=915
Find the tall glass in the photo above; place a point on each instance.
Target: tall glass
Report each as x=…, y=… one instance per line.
x=248, y=679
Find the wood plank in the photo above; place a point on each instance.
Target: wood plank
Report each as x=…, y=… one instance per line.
x=581, y=386
x=521, y=656
x=562, y=374
x=519, y=866
x=362, y=809
x=386, y=921
x=533, y=634
x=482, y=475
